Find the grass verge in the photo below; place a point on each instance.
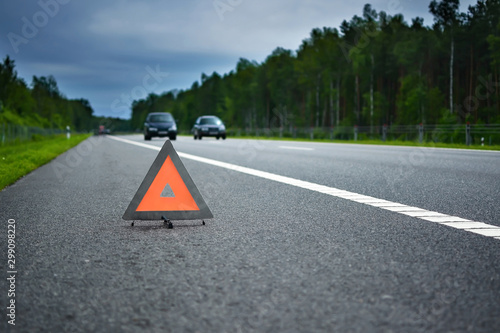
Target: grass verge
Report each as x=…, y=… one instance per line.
x=20, y=159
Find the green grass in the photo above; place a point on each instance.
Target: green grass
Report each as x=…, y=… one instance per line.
x=20, y=159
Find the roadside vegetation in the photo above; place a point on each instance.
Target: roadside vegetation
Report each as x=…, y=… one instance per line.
x=19, y=159
x=34, y=120
x=40, y=107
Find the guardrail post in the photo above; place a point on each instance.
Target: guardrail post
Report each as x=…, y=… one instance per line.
x=421, y=133
x=384, y=132
x=467, y=134
x=355, y=132
x=312, y=133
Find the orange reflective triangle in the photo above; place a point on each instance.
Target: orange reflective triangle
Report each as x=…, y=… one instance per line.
x=186, y=203
x=182, y=200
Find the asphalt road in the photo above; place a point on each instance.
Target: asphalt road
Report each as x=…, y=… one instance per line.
x=277, y=257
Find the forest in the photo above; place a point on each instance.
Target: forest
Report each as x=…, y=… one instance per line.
x=41, y=105
x=376, y=69
x=42, y=108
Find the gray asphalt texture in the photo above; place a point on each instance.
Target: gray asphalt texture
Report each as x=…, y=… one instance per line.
x=274, y=259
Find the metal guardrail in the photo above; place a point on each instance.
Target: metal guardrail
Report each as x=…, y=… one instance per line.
x=10, y=133
x=459, y=134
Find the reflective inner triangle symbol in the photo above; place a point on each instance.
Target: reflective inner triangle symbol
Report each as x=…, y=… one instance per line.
x=167, y=192
x=168, y=176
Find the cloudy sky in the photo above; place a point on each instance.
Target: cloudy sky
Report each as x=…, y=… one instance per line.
x=111, y=52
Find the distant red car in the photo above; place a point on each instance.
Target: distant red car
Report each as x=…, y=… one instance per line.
x=102, y=129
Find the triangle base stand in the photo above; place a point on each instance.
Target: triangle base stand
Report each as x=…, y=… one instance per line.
x=167, y=222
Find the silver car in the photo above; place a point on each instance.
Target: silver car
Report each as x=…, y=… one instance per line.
x=209, y=126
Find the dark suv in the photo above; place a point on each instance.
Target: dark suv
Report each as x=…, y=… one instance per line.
x=160, y=124
x=209, y=126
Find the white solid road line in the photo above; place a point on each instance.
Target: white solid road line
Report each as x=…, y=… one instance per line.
x=295, y=148
x=480, y=228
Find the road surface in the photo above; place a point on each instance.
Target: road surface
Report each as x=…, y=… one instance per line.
x=307, y=237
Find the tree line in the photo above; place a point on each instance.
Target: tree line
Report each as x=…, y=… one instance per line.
x=377, y=69
x=42, y=104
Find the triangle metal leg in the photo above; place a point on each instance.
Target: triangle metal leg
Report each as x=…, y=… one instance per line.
x=167, y=222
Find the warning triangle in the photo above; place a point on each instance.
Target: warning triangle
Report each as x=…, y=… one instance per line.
x=167, y=190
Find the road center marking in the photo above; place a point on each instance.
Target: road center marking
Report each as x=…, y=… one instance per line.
x=456, y=222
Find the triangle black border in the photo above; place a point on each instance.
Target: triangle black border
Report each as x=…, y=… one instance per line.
x=167, y=150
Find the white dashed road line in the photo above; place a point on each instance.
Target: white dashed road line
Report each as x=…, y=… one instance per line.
x=456, y=222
